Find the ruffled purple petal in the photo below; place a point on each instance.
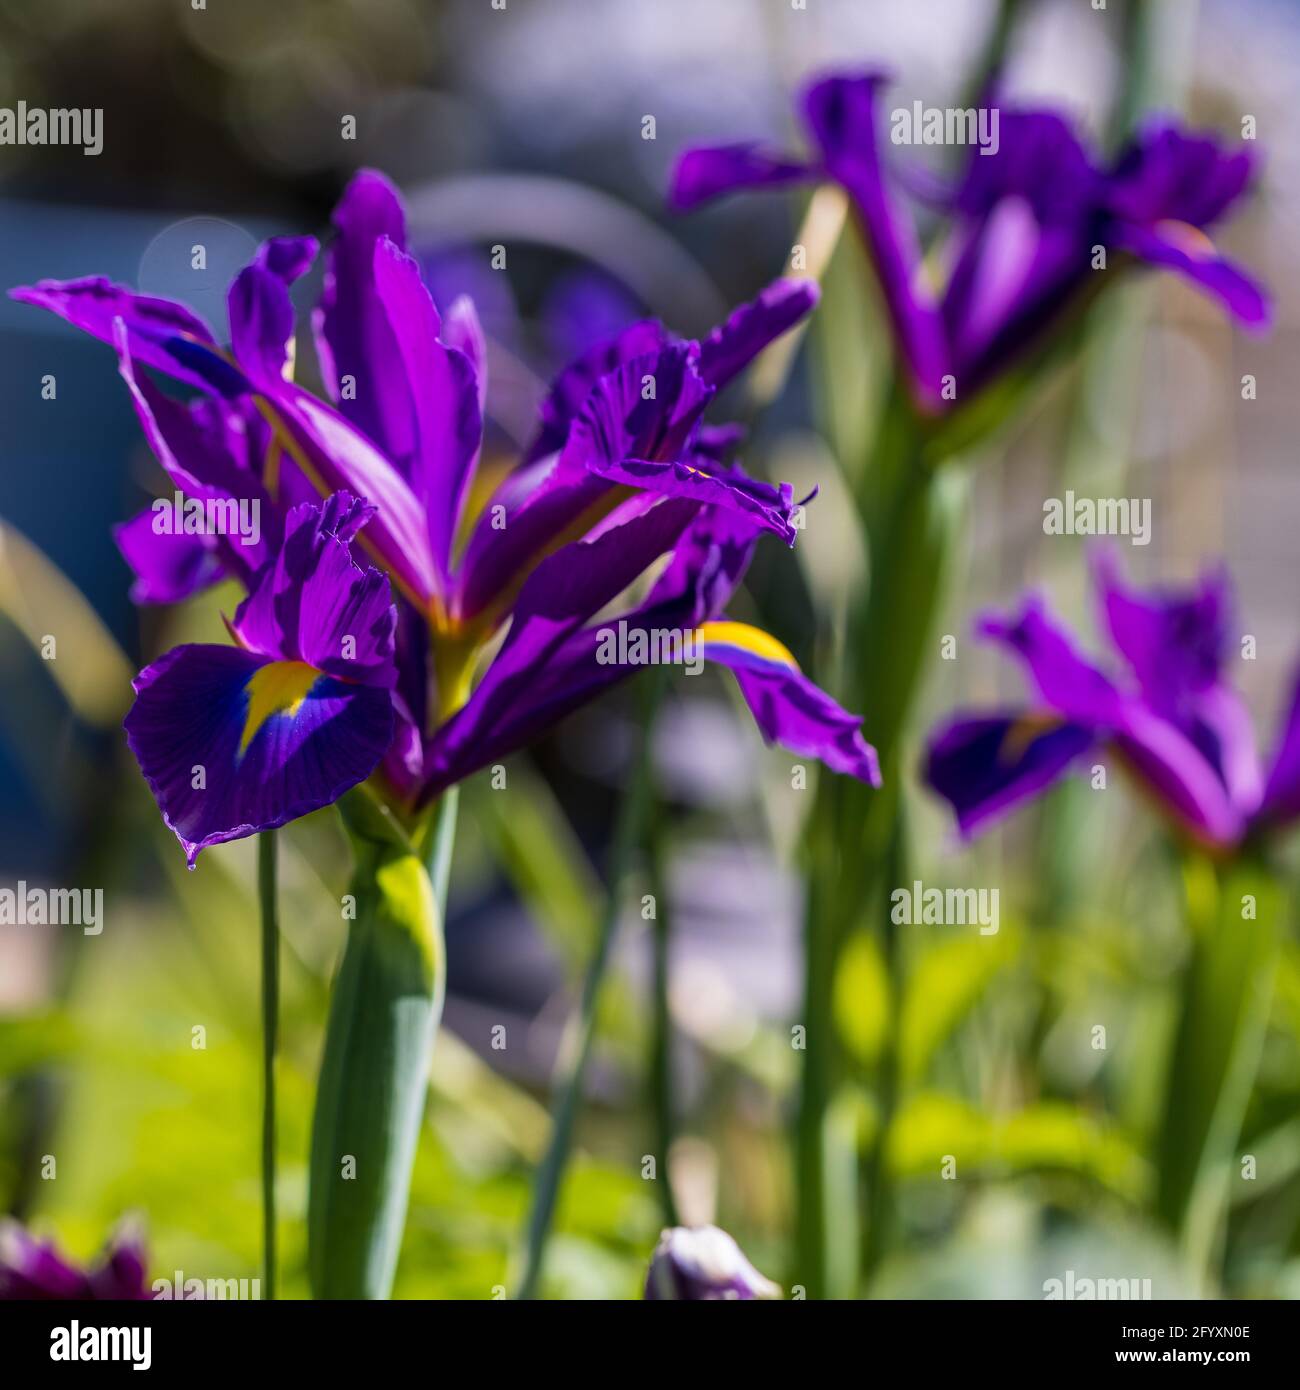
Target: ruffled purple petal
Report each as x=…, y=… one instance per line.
x=572, y=388
x=462, y=332
x=766, y=505
x=313, y=604
x=1170, y=174
x=730, y=348
x=558, y=498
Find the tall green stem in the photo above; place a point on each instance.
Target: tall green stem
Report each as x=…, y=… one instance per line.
x=266, y=897
x=661, y=1024
x=575, y=1052
x=384, y=1015
x=909, y=512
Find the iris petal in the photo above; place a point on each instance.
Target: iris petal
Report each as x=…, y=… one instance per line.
x=227, y=753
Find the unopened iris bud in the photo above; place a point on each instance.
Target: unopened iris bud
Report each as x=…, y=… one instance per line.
x=703, y=1263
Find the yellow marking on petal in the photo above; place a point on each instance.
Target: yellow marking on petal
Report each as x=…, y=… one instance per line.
x=279, y=688
x=1188, y=239
x=271, y=468
x=1018, y=738
x=747, y=639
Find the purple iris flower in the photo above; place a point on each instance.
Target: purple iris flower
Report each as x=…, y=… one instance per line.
x=34, y=1270
x=1168, y=715
x=703, y=1264
x=1023, y=225
x=488, y=634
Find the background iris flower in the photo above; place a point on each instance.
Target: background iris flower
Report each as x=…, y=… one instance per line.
x=623, y=472
x=1171, y=717
x=32, y=1269
x=1024, y=225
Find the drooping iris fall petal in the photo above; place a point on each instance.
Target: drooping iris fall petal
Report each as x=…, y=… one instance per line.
x=236, y=740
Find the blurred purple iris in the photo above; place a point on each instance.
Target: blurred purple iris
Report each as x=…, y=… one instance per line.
x=1169, y=716
x=31, y=1269
x=487, y=636
x=703, y=1264
x=1025, y=223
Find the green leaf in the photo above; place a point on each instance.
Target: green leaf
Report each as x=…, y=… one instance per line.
x=861, y=1001
x=1233, y=915
x=945, y=984
x=1052, y=1136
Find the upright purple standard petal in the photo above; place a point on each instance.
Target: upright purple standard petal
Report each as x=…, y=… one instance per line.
x=1175, y=641
x=354, y=339
x=1026, y=223
x=1167, y=189
x=841, y=111
x=733, y=345
x=444, y=389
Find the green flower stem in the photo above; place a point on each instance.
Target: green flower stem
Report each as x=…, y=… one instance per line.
x=910, y=510
x=575, y=1052
x=384, y=1014
x=1234, y=920
x=661, y=1025
x=266, y=897
x=440, y=845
